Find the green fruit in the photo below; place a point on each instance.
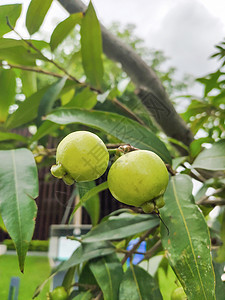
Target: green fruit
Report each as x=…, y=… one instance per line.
x=178, y=294
x=82, y=155
x=138, y=178
x=59, y=293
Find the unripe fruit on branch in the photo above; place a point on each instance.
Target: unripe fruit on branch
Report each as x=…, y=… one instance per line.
x=139, y=178
x=59, y=293
x=80, y=156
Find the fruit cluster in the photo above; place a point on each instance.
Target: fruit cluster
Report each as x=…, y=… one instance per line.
x=138, y=178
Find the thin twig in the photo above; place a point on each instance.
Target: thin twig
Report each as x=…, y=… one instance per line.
x=136, y=246
x=71, y=77
x=98, y=297
x=153, y=249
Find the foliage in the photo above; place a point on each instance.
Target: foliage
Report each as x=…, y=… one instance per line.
x=51, y=89
x=35, y=245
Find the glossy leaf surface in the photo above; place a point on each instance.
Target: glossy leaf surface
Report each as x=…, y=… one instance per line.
x=188, y=243
x=127, y=130
x=138, y=284
x=118, y=227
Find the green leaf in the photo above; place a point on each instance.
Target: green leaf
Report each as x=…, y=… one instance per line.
x=29, y=83
x=213, y=158
x=126, y=130
x=5, y=136
x=12, y=12
x=86, y=252
x=220, y=285
x=27, y=110
x=91, y=47
x=63, y=29
x=188, y=243
x=85, y=99
x=18, y=52
x=91, y=193
x=69, y=278
x=8, y=92
x=18, y=187
x=50, y=97
x=108, y=272
x=92, y=205
x=2, y=225
x=83, y=296
x=196, y=145
x=36, y=13
x=220, y=257
x=45, y=129
x=138, y=284
x=119, y=227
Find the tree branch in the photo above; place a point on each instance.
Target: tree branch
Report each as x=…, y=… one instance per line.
x=149, y=87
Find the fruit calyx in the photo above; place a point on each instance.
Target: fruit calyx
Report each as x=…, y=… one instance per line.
x=154, y=204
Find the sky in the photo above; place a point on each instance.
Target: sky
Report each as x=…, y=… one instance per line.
x=186, y=30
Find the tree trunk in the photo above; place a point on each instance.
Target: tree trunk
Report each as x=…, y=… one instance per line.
x=149, y=87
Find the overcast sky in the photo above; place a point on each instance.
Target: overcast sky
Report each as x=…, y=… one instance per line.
x=186, y=30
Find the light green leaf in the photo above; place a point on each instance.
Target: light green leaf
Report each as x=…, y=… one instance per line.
x=91, y=47
x=213, y=158
x=92, y=205
x=88, y=195
x=29, y=83
x=108, y=272
x=7, y=92
x=126, y=130
x=44, y=129
x=220, y=285
x=12, y=12
x=85, y=99
x=138, y=284
x=5, y=136
x=2, y=225
x=18, y=188
x=36, y=13
x=119, y=227
x=188, y=243
x=63, y=29
x=27, y=110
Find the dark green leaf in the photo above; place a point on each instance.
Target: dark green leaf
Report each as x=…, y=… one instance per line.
x=36, y=13
x=213, y=158
x=82, y=296
x=27, y=110
x=91, y=47
x=63, y=29
x=188, y=244
x=69, y=278
x=86, y=252
x=8, y=92
x=92, y=205
x=18, y=186
x=220, y=285
x=108, y=272
x=119, y=227
x=138, y=284
x=4, y=136
x=50, y=97
x=12, y=12
x=127, y=130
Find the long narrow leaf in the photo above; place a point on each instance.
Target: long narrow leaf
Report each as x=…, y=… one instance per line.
x=127, y=130
x=18, y=187
x=188, y=244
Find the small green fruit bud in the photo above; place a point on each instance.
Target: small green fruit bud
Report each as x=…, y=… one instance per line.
x=58, y=171
x=148, y=207
x=159, y=202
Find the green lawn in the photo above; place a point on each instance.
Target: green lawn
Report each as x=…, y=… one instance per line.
x=36, y=271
